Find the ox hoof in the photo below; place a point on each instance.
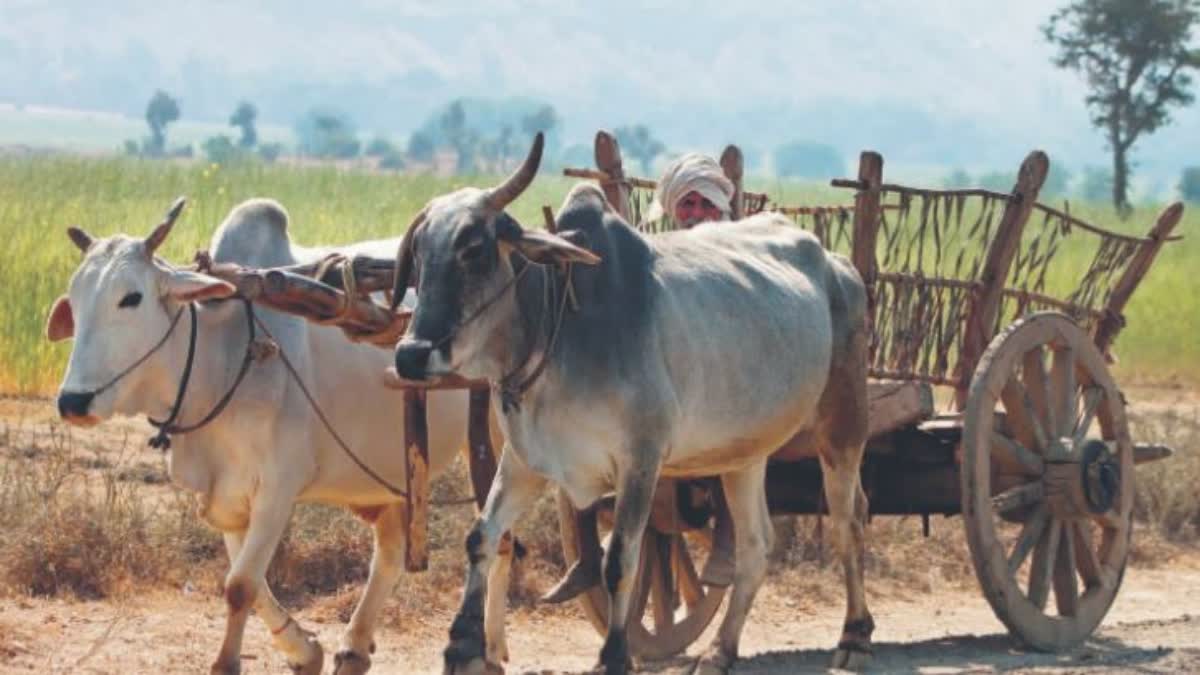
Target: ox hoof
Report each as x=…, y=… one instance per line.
x=851, y=657
x=347, y=662
x=473, y=667
x=713, y=662
x=218, y=668
x=498, y=653
x=314, y=662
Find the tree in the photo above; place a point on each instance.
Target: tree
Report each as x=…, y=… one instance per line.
x=220, y=149
x=160, y=111
x=465, y=141
x=640, y=143
x=957, y=179
x=1136, y=57
x=544, y=119
x=420, y=147
x=379, y=147
x=1097, y=184
x=804, y=159
x=243, y=118
x=327, y=134
x=270, y=151
x=1189, y=184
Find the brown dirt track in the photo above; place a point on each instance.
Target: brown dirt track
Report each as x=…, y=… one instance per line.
x=934, y=627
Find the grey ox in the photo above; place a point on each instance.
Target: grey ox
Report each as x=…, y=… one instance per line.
x=695, y=353
x=127, y=311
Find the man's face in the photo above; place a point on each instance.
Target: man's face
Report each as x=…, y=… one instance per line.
x=693, y=209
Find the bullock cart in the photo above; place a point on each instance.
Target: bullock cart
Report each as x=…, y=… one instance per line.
x=990, y=398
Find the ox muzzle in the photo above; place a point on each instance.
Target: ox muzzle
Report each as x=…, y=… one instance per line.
x=75, y=407
x=412, y=359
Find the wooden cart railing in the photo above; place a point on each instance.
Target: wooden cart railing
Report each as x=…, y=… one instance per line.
x=945, y=269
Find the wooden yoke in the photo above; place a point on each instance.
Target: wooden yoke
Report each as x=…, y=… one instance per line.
x=1113, y=321
x=981, y=321
x=734, y=166
x=608, y=160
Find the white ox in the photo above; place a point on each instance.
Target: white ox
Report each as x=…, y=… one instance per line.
x=267, y=450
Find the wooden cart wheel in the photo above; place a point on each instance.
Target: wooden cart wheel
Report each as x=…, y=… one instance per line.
x=668, y=583
x=1047, y=481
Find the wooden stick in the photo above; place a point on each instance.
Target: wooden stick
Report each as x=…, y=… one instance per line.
x=1084, y=225
x=608, y=160
x=416, y=461
x=994, y=275
x=1110, y=325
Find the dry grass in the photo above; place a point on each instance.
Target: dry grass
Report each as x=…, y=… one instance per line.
x=98, y=523
x=76, y=527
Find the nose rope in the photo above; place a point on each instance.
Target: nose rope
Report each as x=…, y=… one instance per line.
x=484, y=307
x=168, y=427
x=162, y=341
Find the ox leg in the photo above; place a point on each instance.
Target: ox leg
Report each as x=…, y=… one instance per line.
x=513, y=492
x=300, y=647
x=746, y=495
x=246, y=580
x=848, y=512
x=635, y=494
x=357, y=644
x=499, y=580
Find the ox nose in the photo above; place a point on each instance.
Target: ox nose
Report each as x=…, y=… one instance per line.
x=412, y=358
x=74, y=403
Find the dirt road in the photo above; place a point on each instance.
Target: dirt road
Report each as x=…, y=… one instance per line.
x=1154, y=627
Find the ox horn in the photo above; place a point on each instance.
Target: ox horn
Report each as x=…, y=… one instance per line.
x=404, y=260
x=160, y=232
x=502, y=195
x=82, y=239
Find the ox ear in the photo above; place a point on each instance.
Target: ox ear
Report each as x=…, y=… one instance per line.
x=61, y=324
x=187, y=286
x=546, y=248
x=541, y=247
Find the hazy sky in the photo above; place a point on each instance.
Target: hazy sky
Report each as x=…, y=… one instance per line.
x=974, y=69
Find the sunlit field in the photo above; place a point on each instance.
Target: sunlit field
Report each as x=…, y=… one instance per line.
x=41, y=196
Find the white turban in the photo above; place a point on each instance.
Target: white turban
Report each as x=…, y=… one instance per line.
x=692, y=172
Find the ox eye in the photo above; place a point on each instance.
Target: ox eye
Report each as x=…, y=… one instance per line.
x=130, y=300
x=471, y=254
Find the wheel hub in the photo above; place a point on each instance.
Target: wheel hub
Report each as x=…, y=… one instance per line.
x=1100, y=475
x=1084, y=481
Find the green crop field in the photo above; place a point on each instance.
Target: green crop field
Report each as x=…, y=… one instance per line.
x=41, y=196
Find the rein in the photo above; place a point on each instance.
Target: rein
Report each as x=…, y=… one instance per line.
x=511, y=390
x=168, y=427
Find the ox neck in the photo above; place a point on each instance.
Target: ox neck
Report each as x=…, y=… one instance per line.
x=214, y=363
x=541, y=302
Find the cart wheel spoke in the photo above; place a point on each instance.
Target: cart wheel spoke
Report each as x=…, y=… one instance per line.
x=1037, y=387
x=1043, y=564
x=1092, y=397
x=1014, y=457
x=1064, y=396
x=1017, y=497
x=662, y=587
x=1086, y=559
x=1109, y=520
x=690, y=588
x=1018, y=409
x=1066, y=587
x=1031, y=532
